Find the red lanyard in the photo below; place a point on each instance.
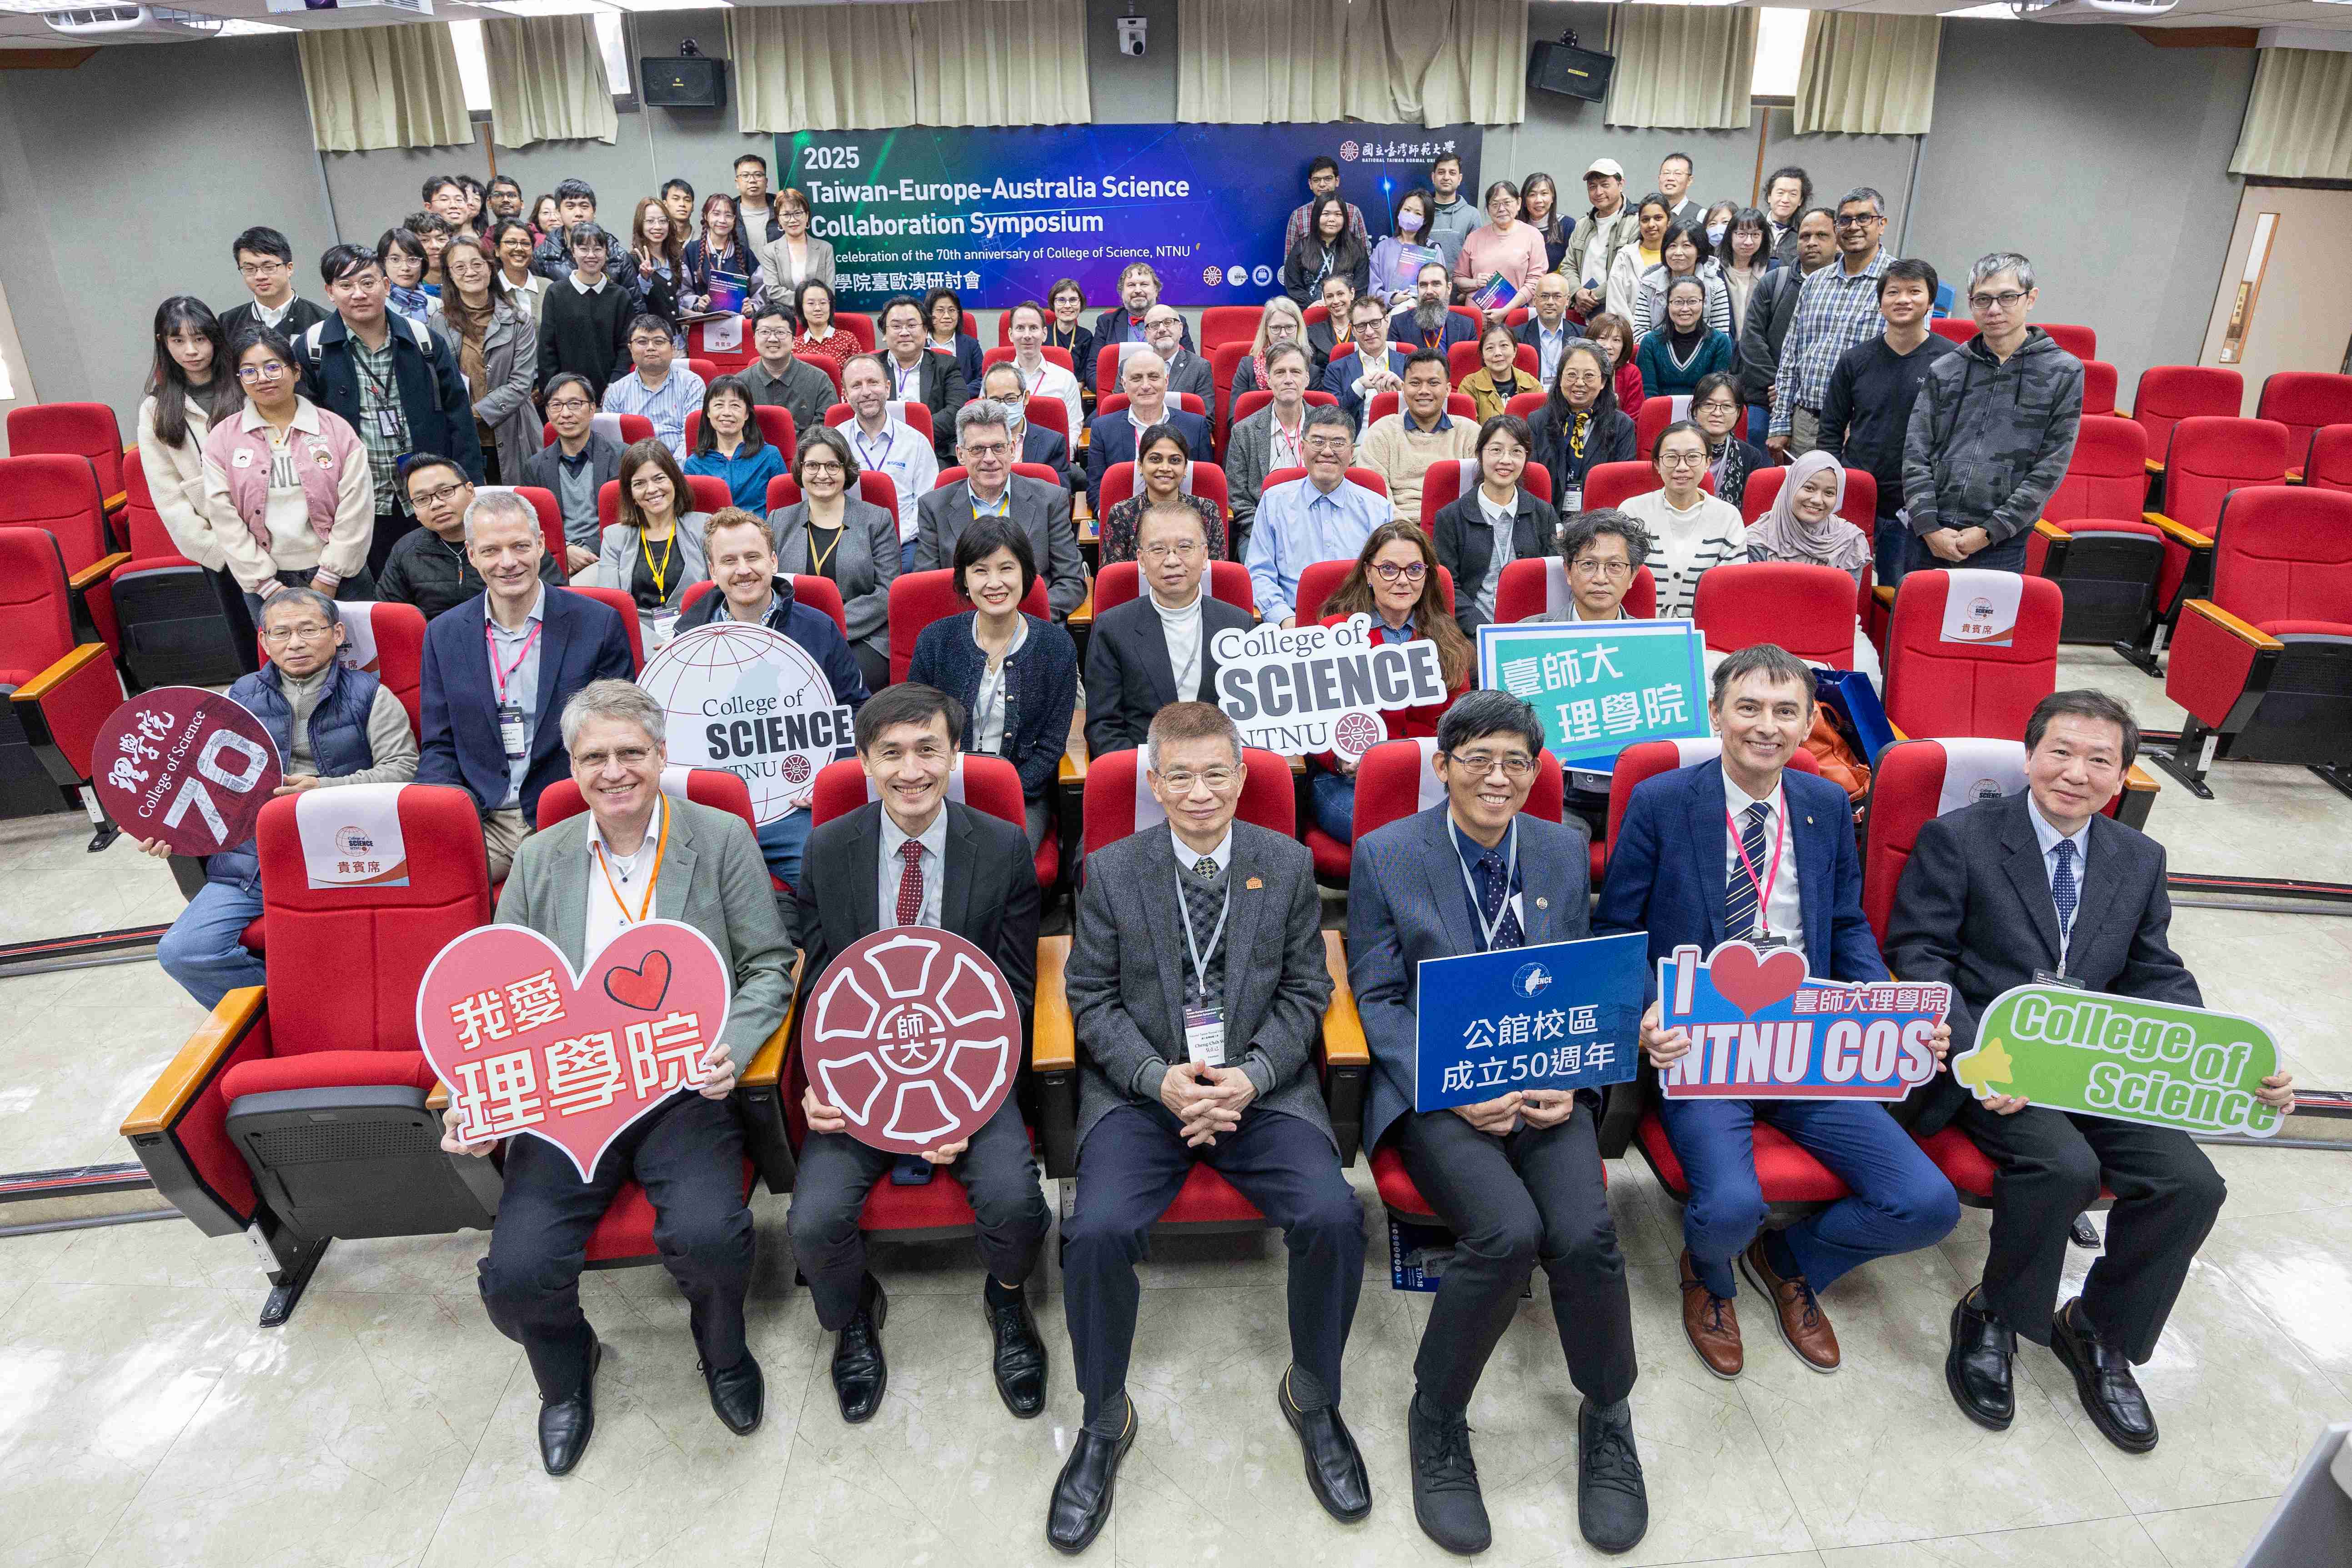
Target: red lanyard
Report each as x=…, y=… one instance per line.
x=490, y=647
x=1763, y=884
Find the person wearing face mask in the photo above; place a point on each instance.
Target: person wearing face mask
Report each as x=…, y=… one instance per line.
x=1497, y=523
x=1683, y=349
x=834, y=532
x=1157, y=647
x=1280, y=323
x=1031, y=443
x=1397, y=261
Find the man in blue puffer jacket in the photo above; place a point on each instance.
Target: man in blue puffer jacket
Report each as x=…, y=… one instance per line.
x=332, y=726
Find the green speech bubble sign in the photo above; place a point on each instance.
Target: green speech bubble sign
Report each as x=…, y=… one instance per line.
x=2124, y=1059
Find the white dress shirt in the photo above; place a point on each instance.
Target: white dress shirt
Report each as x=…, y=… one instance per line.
x=988, y=707
x=1783, y=914
x=632, y=880
x=1050, y=379
x=1181, y=627
x=1188, y=857
x=1503, y=521
x=2048, y=837
x=903, y=455
x=890, y=869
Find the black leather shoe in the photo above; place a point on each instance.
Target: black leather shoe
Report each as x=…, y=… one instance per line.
x=1335, y=1469
x=1446, y=1496
x=859, y=1372
x=2103, y=1377
x=1081, y=1502
x=740, y=1394
x=1977, y=1367
x=1020, y=1354
x=566, y=1424
x=1612, y=1506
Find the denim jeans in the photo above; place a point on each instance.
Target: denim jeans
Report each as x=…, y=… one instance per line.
x=201, y=949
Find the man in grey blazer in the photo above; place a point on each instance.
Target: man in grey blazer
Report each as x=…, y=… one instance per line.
x=1197, y=985
x=1270, y=439
x=1517, y=1179
x=984, y=447
x=581, y=884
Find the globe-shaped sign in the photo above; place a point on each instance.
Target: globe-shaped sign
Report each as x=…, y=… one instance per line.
x=751, y=702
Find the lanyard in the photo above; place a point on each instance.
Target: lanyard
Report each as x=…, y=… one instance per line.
x=817, y=563
x=1201, y=963
x=383, y=389
x=661, y=850
x=868, y=452
x=1486, y=928
x=490, y=647
x=660, y=573
x=1292, y=443
x=1763, y=884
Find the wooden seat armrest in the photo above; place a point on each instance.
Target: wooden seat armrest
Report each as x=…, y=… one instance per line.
x=58, y=674
x=2048, y=529
x=99, y=570
x=1053, y=1043
x=1885, y=594
x=1074, y=763
x=1343, y=1027
x=177, y=1086
x=766, y=1067
x=2206, y=609
x=2179, y=534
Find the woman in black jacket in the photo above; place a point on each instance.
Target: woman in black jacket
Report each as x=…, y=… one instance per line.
x=1579, y=425
x=1329, y=249
x=1716, y=409
x=1016, y=676
x=1465, y=530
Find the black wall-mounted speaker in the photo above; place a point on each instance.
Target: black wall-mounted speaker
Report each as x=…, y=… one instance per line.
x=1566, y=69
x=690, y=83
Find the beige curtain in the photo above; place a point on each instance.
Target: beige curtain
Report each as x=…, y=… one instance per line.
x=547, y=81
x=383, y=87
x=2298, y=122
x=1431, y=62
x=1868, y=75
x=822, y=67
x=1001, y=62
x=1687, y=68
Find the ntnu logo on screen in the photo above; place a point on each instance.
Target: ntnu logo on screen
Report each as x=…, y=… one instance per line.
x=1531, y=980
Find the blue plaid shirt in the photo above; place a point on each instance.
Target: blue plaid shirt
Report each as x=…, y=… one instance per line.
x=1834, y=311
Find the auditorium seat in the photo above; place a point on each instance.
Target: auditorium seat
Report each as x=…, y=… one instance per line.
x=86, y=430
x=1221, y=324
x=623, y=1237
x=2098, y=386
x=2168, y=394
x=2081, y=342
x=1204, y=479
x=1650, y=420
x=387, y=641
x=1224, y=361
x=1637, y=765
x=59, y=494
x=620, y=429
x=167, y=607
x=1116, y=402
x=1318, y=580
x=1462, y=361
x=550, y=527
x=61, y=689
x=1005, y=353
x=916, y=417
x=816, y=593
x=1249, y=403
x=775, y=429
x=2327, y=463
x=2264, y=665
x=705, y=492
x=1121, y=581
x=1383, y=404
x=1807, y=609
x=1858, y=505
x=1052, y=413
x=918, y=598
x=2304, y=402
x=1526, y=404
x=1614, y=484
x=729, y=361
x=2112, y=565
x=1937, y=687
x=859, y=325
x=619, y=601
x=873, y=488
x=1448, y=479
x=1537, y=585
x=704, y=368
x=2209, y=457
x=1038, y=472
x=1369, y=479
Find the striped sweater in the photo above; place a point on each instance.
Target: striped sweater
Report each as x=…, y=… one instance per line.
x=1685, y=544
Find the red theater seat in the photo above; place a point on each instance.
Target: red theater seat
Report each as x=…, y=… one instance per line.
x=1614, y=484
x=916, y=417
x=2328, y=465
x=1115, y=402
x=1221, y=324
x=705, y=492
x=1538, y=586
x=59, y=495
x=775, y=429
x=1808, y=610
x=1318, y=580
x=1121, y=581
x=623, y=605
x=1200, y=478
x=1383, y=404
x=2112, y=566
x=2207, y=457
x=1249, y=403
x=1937, y=687
x=85, y=430
x=622, y=429
x=859, y=325
x=167, y=609
x=1005, y=353
x=1448, y=479
x=873, y=488
x=918, y=598
x=2098, y=387
x=816, y=593
x=60, y=690
x=2168, y=394
x=1462, y=361
x=2306, y=402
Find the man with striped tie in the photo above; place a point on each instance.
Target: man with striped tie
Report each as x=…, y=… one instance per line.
x=1741, y=849
x=911, y=857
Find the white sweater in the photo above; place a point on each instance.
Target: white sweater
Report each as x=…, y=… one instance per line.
x=175, y=482
x=1683, y=545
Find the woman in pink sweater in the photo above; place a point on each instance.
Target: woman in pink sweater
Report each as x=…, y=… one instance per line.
x=1506, y=247
x=286, y=485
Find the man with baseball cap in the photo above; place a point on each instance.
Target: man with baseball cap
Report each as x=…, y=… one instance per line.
x=1599, y=235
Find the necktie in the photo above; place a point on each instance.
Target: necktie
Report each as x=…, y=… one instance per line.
x=2065, y=894
x=1205, y=868
x=1741, y=893
x=1494, y=893
x=911, y=883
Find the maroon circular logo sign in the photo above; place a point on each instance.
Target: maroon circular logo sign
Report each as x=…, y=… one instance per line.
x=184, y=765
x=1355, y=733
x=915, y=1037
x=796, y=769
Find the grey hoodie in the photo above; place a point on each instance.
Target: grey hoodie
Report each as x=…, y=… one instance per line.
x=1989, y=441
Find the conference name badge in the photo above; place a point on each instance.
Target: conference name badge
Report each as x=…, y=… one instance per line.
x=1761, y=1027
x=2155, y=1063
x=1204, y=1036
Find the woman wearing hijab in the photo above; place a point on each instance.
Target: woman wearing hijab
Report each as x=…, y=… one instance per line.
x=1803, y=527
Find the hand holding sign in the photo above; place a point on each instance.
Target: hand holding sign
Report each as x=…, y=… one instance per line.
x=1322, y=688
x=184, y=768
x=1757, y=1026
x=911, y=1042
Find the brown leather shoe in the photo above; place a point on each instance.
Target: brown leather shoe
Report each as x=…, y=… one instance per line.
x=1802, y=1323
x=1711, y=1325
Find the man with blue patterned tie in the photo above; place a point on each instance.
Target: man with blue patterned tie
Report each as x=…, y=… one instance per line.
x=1743, y=849
x=1517, y=1179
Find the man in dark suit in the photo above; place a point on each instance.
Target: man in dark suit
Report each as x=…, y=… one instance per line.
x=1164, y=330
x=574, y=468
x=2038, y=888
x=919, y=375
x=1517, y=1179
x=1157, y=647
x=498, y=670
x=1741, y=850
x=1001, y=384
x=984, y=447
x=914, y=857
x=1197, y=982
x=1430, y=322
x=1143, y=377
x=1375, y=366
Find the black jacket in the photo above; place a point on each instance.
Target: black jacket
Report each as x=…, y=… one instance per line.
x=1129, y=675
x=1611, y=440
x=1465, y=546
x=300, y=317
x=941, y=384
x=432, y=393
x=544, y=469
x=426, y=571
x=1770, y=308
x=1974, y=909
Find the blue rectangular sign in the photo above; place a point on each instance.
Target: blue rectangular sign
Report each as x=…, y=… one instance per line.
x=999, y=214
x=1600, y=685
x=1762, y=1027
x=1564, y=1015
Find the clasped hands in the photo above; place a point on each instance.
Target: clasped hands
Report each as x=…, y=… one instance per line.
x=1536, y=1108
x=1207, y=1100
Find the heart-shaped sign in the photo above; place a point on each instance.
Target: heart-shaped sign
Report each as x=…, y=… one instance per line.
x=528, y=1047
x=914, y=1036
x=1752, y=980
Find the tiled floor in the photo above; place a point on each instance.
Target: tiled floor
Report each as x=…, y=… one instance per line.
x=144, y=1420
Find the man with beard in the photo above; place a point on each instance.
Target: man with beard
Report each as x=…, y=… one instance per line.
x=1429, y=322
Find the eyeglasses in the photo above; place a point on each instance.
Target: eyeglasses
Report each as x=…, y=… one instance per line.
x=1604, y=570
x=812, y=468
x=1390, y=572
x=1855, y=220
x=1160, y=550
x=1219, y=780
x=1335, y=446
x=262, y=269
x=1516, y=765
x=268, y=370
x=2007, y=301
x=302, y=631
x=1682, y=459
x=567, y=404
x=989, y=449
x=627, y=756
x=1715, y=405
x=436, y=494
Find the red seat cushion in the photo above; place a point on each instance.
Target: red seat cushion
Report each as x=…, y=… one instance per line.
x=627, y=1228
x=1396, y=1188
x=16, y=677
x=1332, y=858
x=1786, y=1174
x=254, y=938
x=328, y=1069
x=1205, y=1197
x=2305, y=628
x=1964, y=1165
x=2109, y=525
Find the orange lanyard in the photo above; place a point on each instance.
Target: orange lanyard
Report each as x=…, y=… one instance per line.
x=661, y=850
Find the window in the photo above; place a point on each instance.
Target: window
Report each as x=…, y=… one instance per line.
x=611, y=38
x=1779, y=51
